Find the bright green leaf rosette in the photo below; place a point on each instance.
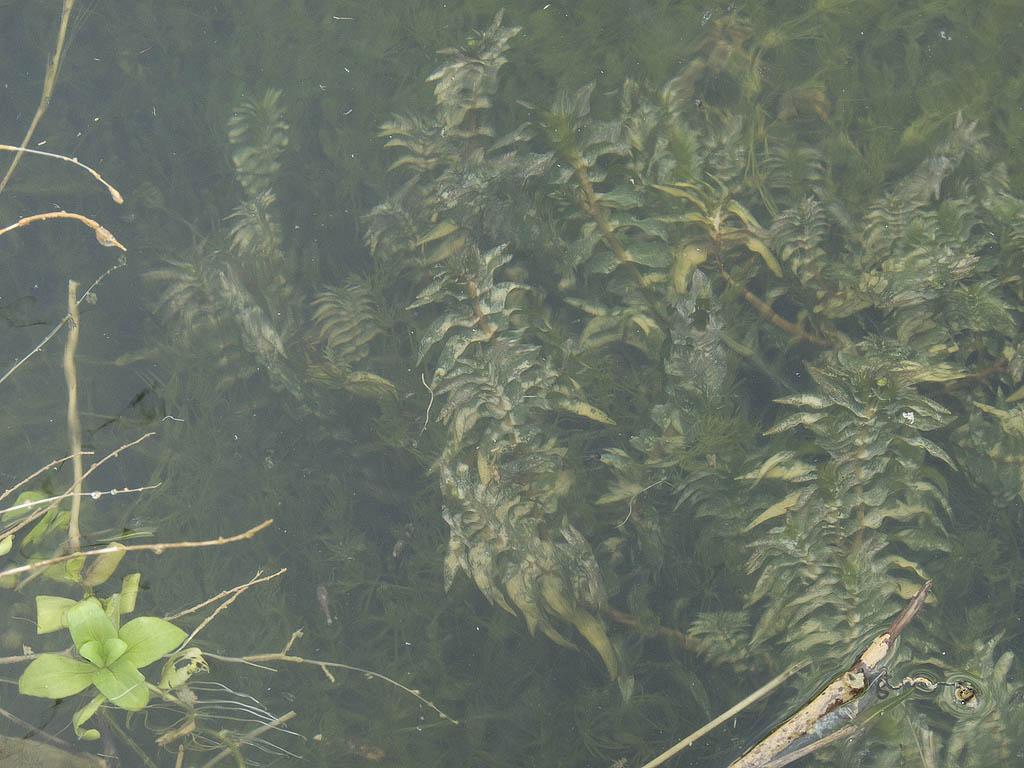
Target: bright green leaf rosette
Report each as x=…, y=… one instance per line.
x=112, y=660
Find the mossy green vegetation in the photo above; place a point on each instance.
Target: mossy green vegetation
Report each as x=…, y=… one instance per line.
x=678, y=347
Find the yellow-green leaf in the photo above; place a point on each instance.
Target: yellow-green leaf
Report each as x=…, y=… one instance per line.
x=777, y=509
x=763, y=251
x=687, y=260
x=587, y=411
x=441, y=229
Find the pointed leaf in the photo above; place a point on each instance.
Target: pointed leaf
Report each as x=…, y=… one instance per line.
x=148, y=638
x=778, y=508
x=56, y=677
x=796, y=420
x=744, y=215
x=652, y=254
x=808, y=401
x=761, y=249
x=622, y=196
x=780, y=458
x=930, y=447
x=441, y=229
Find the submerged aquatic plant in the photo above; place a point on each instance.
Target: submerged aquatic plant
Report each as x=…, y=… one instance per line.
x=640, y=239
x=662, y=340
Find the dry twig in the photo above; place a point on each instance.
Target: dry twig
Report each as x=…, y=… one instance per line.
x=103, y=235
x=232, y=594
x=49, y=81
x=157, y=548
x=71, y=490
x=285, y=656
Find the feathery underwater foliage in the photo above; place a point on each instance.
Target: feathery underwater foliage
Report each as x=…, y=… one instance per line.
x=232, y=295
x=653, y=327
x=639, y=243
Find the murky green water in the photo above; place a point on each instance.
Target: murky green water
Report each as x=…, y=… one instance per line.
x=611, y=459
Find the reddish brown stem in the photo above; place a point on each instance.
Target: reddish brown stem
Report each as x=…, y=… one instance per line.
x=770, y=315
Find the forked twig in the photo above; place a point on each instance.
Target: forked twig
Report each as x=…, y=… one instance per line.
x=114, y=194
x=257, y=659
x=73, y=488
x=769, y=314
x=840, y=691
x=231, y=594
x=29, y=479
x=259, y=578
x=64, y=321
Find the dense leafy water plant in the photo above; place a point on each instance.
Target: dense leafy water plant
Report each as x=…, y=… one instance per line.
x=111, y=656
x=675, y=369
x=677, y=247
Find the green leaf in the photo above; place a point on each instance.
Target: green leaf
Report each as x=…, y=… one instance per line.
x=758, y=247
x=52, y=613
x=87, y=621
x=652, y=254
x=586, y=410
x=129, y=591
x=622, y=196
x=83, y=714
x=92, y=650
x=52, y=520
x=25, y=499
x=114, y=649
x=5, y=545
x=68, y=572
x=148, y=638
x=56, y=677
x=123, y=684
x=103, y=566
x=441, y=229
x=793, y=499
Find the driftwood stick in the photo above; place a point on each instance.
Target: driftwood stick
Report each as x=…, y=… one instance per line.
x=845, y=688
x=765, y=689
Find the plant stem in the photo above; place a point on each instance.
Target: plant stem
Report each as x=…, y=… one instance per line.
x=74, y=422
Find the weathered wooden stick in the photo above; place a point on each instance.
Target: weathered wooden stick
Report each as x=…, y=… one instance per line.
x=845, y=688
x=765, y=689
